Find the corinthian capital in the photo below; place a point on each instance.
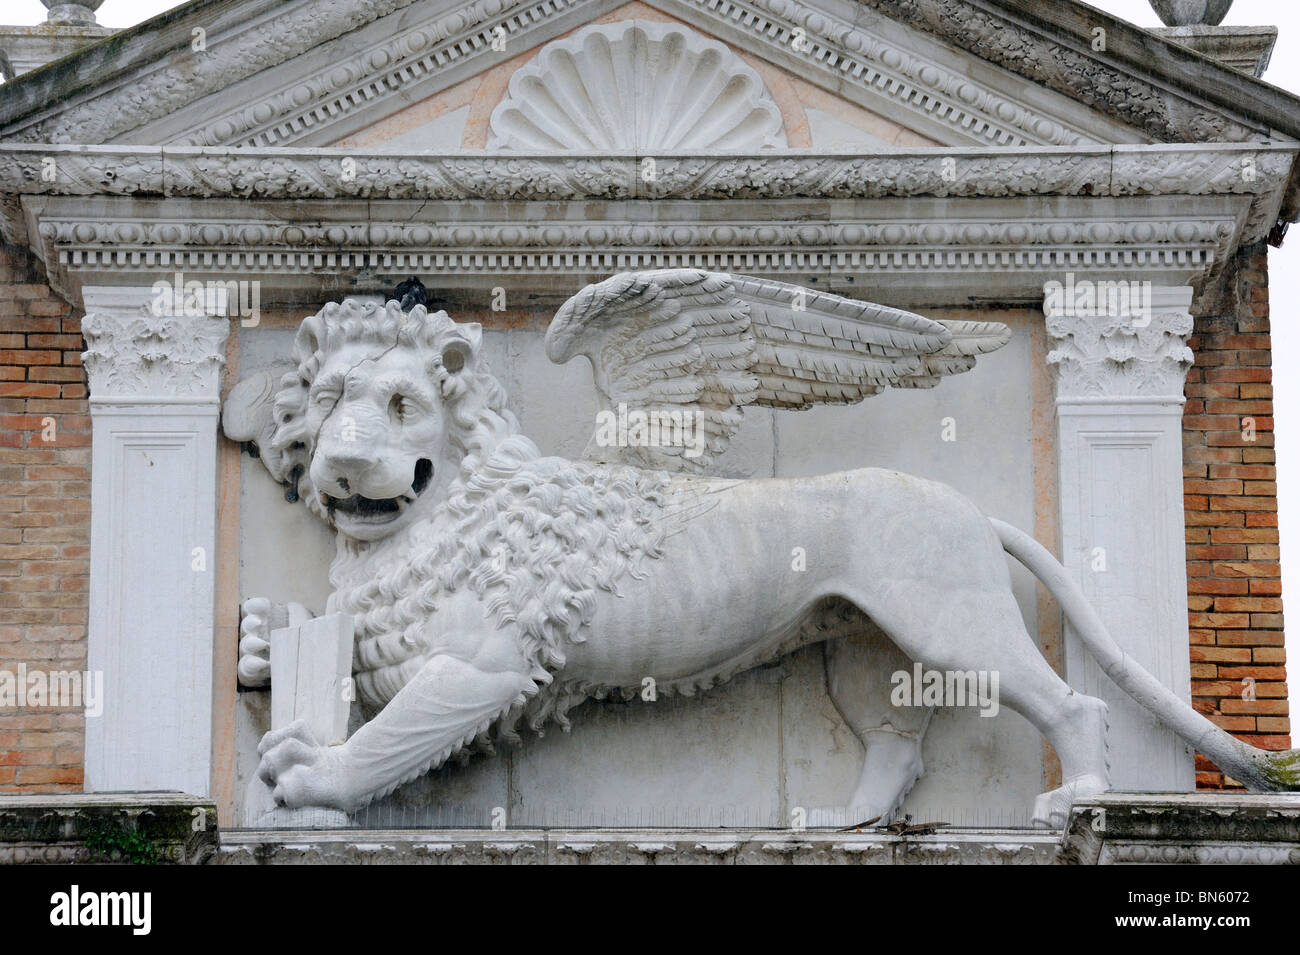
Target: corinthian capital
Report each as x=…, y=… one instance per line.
x=1118, y=340
x=134, y=350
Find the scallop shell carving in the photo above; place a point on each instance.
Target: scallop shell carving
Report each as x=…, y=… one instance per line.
x=637, y=85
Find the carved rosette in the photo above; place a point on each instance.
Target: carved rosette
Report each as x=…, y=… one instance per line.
x=1120, y=357
x=153, y=357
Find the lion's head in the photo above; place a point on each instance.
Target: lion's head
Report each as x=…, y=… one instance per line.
x=372, y=425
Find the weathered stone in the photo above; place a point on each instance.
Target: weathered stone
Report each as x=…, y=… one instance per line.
x=1183, y=828
x=120, y=828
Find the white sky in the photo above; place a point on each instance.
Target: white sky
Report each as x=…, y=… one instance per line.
x=1284, y=263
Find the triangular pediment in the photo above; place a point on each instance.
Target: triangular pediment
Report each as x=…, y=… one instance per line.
x=434, y=74
x=637, y=79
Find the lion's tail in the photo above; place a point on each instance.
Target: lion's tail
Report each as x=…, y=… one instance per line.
x=1256, y=768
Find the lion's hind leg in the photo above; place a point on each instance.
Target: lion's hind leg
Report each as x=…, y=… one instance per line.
x=858, y=673
x=961, y=630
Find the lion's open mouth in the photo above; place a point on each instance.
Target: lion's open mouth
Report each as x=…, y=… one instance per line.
x=369, y=510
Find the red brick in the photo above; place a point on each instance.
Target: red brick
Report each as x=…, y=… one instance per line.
x=28, y=356
x=1231, y=535
x=1218, y=621
x=1247, y=569
x=1255, y=707
x=1210, y=586
x=1218, y=654
x=1239, y=374
x=47, y=308
x=1234, y=724
x=1243, y=503
x=75, y=341
x=1249, y=638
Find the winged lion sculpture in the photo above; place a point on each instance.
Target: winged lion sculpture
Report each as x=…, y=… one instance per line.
x=492, y=587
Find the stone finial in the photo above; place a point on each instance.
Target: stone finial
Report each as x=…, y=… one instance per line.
x=1189, y=13
x=81, y=13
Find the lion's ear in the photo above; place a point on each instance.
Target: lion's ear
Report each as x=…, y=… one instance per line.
x=459, y=353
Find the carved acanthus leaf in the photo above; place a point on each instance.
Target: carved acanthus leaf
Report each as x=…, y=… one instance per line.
x=1115, y=356
x=144, y=355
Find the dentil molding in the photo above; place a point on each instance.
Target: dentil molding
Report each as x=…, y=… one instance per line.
x=1176, y=209
x=1187, y=239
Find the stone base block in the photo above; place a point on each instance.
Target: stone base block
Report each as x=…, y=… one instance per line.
x=1184, y=828
x=83, y=828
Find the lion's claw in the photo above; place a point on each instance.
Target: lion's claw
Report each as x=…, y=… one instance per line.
x=260, y=617
x=299, y=771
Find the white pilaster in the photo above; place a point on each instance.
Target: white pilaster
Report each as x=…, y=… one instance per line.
x=154, y=401
x=1119, y=404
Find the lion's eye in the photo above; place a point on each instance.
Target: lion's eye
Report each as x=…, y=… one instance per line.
x=401, y=407
x=326, y=400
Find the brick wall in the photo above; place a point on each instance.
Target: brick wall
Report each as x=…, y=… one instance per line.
x=45, y=525
x=1230, y=484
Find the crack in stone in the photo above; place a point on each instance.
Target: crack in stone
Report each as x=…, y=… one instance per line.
x=316, y=437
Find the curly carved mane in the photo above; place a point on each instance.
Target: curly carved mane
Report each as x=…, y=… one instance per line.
x=533, y=537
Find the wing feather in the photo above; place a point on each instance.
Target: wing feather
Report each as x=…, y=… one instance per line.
x=705, y=344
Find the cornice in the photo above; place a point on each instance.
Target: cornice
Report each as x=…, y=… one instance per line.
x=234, y=49
x=928, y=250
x=1254, y=170
x=974, y=213
x=1001, y=34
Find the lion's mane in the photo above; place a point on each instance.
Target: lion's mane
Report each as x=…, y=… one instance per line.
x=533, y=537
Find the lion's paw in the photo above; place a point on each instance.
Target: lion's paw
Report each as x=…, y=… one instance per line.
x=1052, y=809
x=300, y=772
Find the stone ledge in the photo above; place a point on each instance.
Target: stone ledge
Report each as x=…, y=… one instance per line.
x=107, y=828
x=1114, y=829
x=635, y=847
x=1185, y=828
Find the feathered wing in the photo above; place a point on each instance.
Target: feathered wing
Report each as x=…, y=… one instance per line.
x=679, y=349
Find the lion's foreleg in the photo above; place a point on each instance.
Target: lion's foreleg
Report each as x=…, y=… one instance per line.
x=443, y=707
